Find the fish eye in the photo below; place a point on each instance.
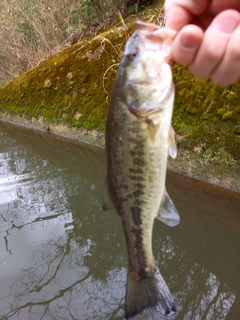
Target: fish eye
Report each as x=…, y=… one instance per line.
x=133, y=54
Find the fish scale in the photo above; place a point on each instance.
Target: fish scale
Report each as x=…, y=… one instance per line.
x=138, y=140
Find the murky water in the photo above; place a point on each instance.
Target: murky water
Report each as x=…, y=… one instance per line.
x=62, y=257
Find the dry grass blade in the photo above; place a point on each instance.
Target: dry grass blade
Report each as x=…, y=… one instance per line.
x=103, y=80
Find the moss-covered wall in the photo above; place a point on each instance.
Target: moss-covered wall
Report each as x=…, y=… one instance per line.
x=207, y=117
x=73, y=86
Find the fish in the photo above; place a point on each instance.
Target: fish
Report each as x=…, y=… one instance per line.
x=139, y=138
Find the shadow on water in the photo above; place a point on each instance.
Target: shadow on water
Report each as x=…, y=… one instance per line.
x=62, y=257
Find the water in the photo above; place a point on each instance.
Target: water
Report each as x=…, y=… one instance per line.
x=62, y=257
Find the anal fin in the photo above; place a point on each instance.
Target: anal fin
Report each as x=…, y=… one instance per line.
x=168, y=213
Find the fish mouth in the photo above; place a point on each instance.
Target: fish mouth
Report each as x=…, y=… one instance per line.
x=151, y=82
x=140, y=113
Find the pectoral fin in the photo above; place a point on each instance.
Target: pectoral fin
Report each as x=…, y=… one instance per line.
x=168, y=212
x=106, y=199
x=152, y=130
x=172, y=144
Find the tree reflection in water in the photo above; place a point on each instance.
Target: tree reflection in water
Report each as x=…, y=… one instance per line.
x=61, y=285
x=72, y=256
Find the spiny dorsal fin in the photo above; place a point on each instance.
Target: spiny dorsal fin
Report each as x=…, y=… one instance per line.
x=168, y=213
x=106, y=199
x=171, y=143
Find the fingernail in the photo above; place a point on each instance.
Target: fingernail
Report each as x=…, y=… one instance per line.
x=189, y=43
x=227, y=24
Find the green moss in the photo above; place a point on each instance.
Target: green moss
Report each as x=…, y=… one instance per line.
x=209, y=115
x=237, y=130
x=78, y=79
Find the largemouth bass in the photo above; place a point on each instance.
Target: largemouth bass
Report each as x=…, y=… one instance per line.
x=139, y=138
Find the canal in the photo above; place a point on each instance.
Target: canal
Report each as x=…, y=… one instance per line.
x=62, y=257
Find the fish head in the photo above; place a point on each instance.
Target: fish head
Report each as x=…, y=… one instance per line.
x=145, y=66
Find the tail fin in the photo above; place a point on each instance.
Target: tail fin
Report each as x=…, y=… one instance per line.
x=148, y=292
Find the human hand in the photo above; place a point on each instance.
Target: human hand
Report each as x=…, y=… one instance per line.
x=208, y=39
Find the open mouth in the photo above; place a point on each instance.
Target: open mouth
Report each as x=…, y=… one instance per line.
x=151, y=82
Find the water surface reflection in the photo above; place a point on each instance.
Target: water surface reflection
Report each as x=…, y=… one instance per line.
x=62, y=257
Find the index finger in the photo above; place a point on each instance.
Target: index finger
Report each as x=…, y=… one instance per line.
x=181, y=12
